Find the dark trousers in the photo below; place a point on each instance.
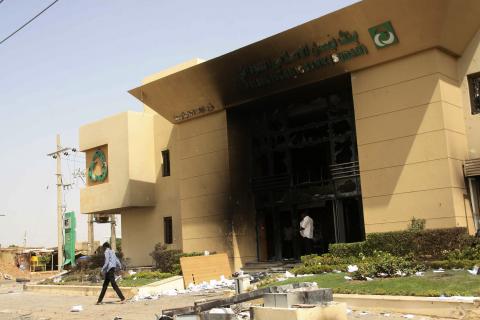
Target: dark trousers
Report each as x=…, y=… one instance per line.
x=307, y=246
x=110, y=278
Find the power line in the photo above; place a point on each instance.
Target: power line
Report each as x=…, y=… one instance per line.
x=25, y=24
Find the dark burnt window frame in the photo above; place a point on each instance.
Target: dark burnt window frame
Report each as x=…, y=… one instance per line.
x=474, y=90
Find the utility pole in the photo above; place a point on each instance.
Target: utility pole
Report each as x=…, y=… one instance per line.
x=58, y=155
x=59, y=206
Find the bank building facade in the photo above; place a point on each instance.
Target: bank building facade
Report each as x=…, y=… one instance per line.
x=363, y=118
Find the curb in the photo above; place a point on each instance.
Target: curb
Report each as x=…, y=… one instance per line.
x=426, y=306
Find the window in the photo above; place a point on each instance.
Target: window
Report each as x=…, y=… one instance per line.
x=474, y=88
x=168, y=230
x=166, y=163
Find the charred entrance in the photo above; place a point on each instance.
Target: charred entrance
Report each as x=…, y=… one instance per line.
x=303, y=159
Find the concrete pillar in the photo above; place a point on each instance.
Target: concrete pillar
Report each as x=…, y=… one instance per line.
x=91, y=236
x=113, y=235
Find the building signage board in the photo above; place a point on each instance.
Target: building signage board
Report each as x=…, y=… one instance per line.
x=307, y=58
x=383, y=35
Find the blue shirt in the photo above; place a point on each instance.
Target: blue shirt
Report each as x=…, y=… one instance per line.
x=111, y=260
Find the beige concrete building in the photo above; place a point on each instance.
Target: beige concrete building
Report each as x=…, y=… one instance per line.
x=363, y=119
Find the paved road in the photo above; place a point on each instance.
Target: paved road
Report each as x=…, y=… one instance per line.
x=18, y=305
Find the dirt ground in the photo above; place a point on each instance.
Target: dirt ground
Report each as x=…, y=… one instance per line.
x=18, y=305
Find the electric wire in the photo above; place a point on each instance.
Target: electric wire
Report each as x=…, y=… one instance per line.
x=28, y=22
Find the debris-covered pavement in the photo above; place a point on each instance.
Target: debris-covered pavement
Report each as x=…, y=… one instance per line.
x=18, y=305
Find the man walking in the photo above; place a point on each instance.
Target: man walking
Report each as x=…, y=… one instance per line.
x=108, y=269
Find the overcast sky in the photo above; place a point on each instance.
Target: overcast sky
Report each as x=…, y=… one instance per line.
x=74, y=65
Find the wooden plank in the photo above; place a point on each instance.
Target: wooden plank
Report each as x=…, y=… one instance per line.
x=205, y=268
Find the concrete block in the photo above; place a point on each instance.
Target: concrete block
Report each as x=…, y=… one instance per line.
x=298, y=296
x=164, y=285
x=332, y=311
x=282, y=300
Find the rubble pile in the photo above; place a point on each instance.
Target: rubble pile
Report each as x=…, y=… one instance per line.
x=11, y=271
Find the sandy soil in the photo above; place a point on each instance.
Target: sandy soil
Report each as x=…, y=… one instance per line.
x=18, y=305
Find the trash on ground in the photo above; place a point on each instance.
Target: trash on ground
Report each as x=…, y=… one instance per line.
x=408, y=316
x=76, y=308
x=347, y=278
x=474, y=271
x=221, y=311
x=369, y=279
x=352, y=268
x=439, y=270
x=419, y=273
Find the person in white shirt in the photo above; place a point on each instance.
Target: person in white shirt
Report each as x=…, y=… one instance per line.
x=306, y=231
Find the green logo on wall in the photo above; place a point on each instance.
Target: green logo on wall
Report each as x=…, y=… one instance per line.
x=383, y=35
x=98, y=158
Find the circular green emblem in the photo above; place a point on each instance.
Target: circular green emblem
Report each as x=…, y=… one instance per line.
x=98, y=158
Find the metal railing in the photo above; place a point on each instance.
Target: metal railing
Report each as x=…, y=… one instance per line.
x=345, y=170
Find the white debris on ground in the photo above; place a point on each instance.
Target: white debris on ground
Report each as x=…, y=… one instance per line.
x=474, y=271
x=288, y=275
x=439, y=270
x=76, y=308
x=213, y=285
x=459, y=298
x=352, y=268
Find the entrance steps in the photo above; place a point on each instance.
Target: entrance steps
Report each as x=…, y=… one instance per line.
x=269, y=266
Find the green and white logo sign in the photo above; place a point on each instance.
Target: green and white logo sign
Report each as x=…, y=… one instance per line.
x=383, y=35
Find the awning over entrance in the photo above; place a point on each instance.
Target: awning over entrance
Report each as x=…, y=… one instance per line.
x=356, y=37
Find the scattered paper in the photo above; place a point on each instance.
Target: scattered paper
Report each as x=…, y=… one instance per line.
x=76, y=308
x=352, y=268
x=474, y=271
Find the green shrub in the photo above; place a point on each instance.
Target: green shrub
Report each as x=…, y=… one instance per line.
x=416, y=225
x=452, y=264
x=148, y=275
x=383, y=264
x=326, y=259
x=317, y=269
x=467, y=253
x=437, y=243
x=425, y=244
x=168, y=261
x=354, y=249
